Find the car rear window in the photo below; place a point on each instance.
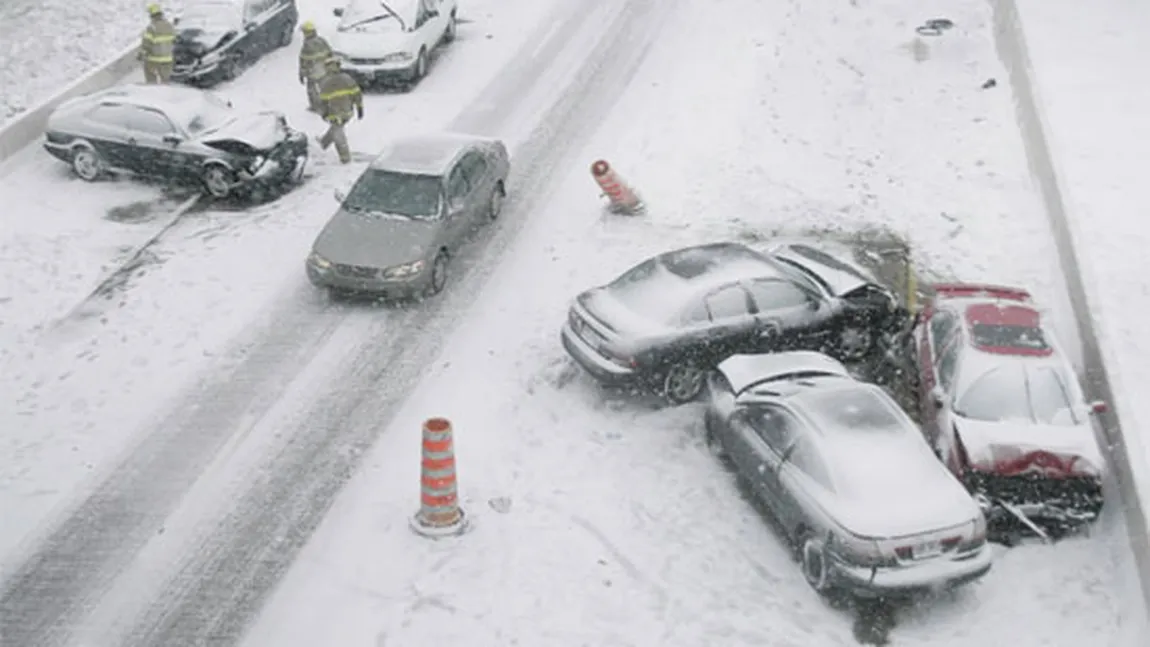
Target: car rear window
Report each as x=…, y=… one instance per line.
x=1020, y=338
x=853, y=409
x=650, y=290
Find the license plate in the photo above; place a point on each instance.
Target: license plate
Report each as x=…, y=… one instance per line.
x=928, y=549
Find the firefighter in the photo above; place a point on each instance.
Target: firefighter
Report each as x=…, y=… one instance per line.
x=156, y=47
x=340, y=97
x=312, y=56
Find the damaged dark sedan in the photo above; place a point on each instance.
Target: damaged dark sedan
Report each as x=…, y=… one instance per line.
x=218, y=39
x=177, y=134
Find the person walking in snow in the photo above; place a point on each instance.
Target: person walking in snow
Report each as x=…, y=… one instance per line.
x=340, y=97
x=156, y=47
x=312, y=67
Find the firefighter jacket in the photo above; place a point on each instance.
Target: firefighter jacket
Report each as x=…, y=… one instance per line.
x=159, y=38
x=340, y=97
x=312, y=55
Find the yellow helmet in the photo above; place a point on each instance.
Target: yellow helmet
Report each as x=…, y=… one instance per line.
x=333, y=61
x=308, y=27
x=154, y=9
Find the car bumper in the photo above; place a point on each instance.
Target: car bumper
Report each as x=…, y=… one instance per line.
x=197, y=74
x=381, y=72
x=332, y=279
x=59, y=151
x=598, y=366
x=940, y=573
x=284, y=165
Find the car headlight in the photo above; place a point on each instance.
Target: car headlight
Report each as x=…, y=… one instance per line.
x=398, y=57
x=405, y=270
x=318, y=261
x=210, y=59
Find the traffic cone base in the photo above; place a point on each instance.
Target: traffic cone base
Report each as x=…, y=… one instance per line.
x=435, y=529
x=439, y=513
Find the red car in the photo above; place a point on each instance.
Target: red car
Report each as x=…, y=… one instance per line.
x=1003, y=409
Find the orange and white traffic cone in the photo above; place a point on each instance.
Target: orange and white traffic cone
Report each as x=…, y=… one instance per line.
x=623, y=198
x=439, y=512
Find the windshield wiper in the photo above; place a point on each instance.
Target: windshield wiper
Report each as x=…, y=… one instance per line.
x=365, y=21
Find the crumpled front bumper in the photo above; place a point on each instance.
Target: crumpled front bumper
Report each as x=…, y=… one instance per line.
x=1046, y=501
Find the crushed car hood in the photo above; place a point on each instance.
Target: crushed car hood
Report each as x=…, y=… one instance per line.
x=200, y=40
x=1010, y=448
x=262, y=131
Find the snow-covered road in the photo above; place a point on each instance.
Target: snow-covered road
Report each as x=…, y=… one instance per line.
x=242, y=402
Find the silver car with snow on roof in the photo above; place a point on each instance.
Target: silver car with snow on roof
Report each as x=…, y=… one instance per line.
x=405, y=218
x=847, y=475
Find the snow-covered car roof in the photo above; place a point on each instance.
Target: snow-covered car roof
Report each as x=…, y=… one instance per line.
x=186, y=106
x=210, y=14
x=427, y=154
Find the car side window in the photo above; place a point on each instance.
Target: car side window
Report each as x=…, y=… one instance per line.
x=696, y=313
x=728, y=303
x=256, y=8
x=474, y=166
x=457, y=186
x=774, y=426
x=942, y=324
x=149, y=122
x=111, y=115
x=947, y=364
x=771, y=295
x=806, y=458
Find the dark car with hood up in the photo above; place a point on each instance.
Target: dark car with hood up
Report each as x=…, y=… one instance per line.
x=218, y=39
x=177, y=134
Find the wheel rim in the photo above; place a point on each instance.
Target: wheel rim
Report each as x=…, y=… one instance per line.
x=855, y=342
x=496, y=204
x=216, y=182
x=85, y=164
x=814, y=565
x=683, y=383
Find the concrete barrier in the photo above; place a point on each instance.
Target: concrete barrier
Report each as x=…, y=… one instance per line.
x=28, y=126
x=1010, y=40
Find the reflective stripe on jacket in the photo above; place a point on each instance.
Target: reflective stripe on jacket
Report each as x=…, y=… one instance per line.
x=340, y=95
x=159, y=38
x=312, y=55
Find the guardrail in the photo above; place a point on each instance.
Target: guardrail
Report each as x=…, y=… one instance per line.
x=1010, y=40
x=29, y=125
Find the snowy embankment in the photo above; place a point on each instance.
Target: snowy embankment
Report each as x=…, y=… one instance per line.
x=622, y=529
x=46, y=44
x=1097, y=129
x=87, y=379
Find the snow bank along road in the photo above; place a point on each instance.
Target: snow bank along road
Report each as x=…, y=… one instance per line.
x=76, y=574
x=816, y=120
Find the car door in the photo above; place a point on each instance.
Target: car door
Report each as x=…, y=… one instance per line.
x=256, y=38
x=430, y=23
x=784, y=315
x=761, y=436
x=804, y=470
x=730, y=328
x=481, y=182
x=152, y=142
x=939, y=326
x=458, y=212
x=106, y=128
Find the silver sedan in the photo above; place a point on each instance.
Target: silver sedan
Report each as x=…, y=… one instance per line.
x=846, y=474
x=397, y=230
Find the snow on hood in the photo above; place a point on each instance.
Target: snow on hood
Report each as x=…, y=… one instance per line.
x=205, y=23
x=262, y=130
x=375, y=241
x=375, y=44
x=1019, y=446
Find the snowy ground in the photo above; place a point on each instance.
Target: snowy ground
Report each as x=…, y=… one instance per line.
x=1101, y=137
x=622, y=529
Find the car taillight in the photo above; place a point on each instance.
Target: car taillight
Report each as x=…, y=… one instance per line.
x=858, y=551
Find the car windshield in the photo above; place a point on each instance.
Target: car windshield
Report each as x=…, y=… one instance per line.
x=1018, y=392
x=402, y=195
x=211, y=114
x=853, y=409
x=210, y=16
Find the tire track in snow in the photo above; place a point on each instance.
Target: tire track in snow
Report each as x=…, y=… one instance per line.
x=48, y=597
x=214, y=598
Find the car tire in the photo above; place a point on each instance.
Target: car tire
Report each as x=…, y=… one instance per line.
x=87, y=163
x=439, y=274
x=218, y=181
x=452, y=29
x=813, y=564
x=682, y=383
x=495, y=206
x=855, y=340
x=287, y=35
x=714, y=445
x=229, y=68
x=420, y=67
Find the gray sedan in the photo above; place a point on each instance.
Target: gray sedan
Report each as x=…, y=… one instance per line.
x=846, y=474
x=397, y=230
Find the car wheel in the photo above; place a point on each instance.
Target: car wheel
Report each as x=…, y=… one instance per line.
x=855, y=341
x=438, y=275
x=683, y=383
x=813, y=562
x=712, y=439
x=229, y=68
x=495, y=207
x=420, y=66
x=287, y=35
x=451, y=33
x=87, y=164
x=218, y=181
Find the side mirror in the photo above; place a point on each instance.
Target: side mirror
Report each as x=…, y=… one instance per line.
x=938, y=396
x=337, y=12
x=172, y=140
x=1099, y=406
x=340, y=196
